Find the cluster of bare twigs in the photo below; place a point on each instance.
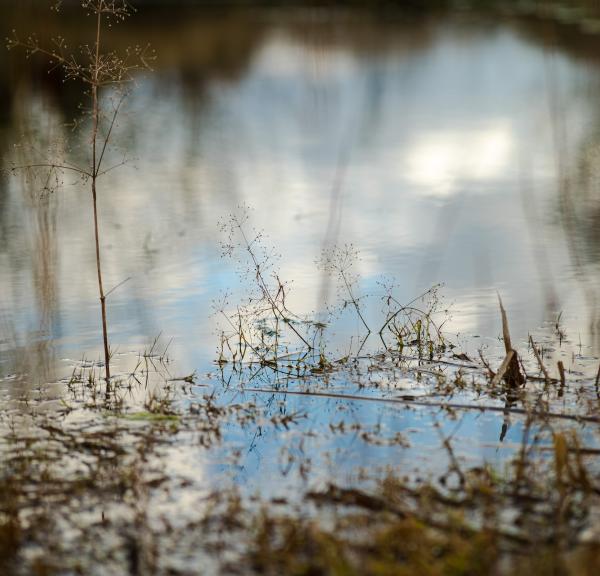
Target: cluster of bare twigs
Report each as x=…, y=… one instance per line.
x=415, y=323
x=96, y=69
x=340, y=262
x=264, y=329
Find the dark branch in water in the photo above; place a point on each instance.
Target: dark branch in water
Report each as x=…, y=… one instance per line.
x=443, y=405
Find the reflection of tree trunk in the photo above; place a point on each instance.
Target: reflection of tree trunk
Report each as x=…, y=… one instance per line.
x=570, y=224
x=44, y=270
x=360, y=129
x=566, y=207
x=45, y=258
x=540, y=255
x=447, y=221
x=34, y=355
x=336, y=204
x=33, y=358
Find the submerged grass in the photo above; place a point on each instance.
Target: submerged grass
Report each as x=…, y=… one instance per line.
x=526, y=519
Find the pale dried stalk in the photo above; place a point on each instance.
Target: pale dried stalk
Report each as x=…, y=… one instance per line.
x=511, y=372
x=539, y=359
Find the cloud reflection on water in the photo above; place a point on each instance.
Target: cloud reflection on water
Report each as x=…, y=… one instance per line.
x=414, y=148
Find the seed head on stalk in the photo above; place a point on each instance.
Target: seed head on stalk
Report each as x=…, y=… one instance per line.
x=97, y=69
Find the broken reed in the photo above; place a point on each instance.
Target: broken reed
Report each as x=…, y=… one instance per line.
x=97, y=70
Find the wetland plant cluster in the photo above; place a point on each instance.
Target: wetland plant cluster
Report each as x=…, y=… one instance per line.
x=84, y=486
x=264, y=330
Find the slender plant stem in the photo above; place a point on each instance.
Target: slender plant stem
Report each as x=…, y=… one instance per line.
x=428, y=404
x=95, y=118
x=354, y=302
x=95, y=71
x=265, y=290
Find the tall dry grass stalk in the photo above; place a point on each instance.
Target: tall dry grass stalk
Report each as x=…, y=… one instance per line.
x=96, y=69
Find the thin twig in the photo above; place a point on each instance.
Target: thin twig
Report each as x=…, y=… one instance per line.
x=491, y=373
x=110, y=129
x=443, y=405
x=539, y=359
x=561, y=371
x=52, y=166
x=117, y=286
x=114, y=167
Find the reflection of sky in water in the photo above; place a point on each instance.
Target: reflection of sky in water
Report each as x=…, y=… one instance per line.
x=436, y=160
x=270, y=458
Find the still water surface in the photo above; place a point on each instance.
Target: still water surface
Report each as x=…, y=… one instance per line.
x=455, y=149
x=459, y=150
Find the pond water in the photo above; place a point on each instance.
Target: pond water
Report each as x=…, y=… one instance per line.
x=458, y=149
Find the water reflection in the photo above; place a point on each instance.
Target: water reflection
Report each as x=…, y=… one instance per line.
x=453, y=150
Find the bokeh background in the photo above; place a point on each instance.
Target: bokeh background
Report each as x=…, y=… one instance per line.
x=448, y=143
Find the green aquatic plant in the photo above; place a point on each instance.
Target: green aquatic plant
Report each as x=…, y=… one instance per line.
x=105, y=77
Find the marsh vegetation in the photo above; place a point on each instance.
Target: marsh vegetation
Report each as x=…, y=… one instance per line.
x=360, y=334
